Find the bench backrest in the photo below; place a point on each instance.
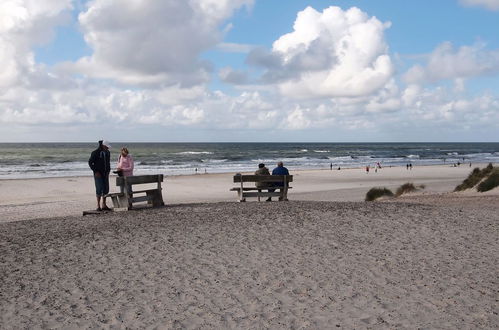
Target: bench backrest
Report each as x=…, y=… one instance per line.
x=139, y=179
x=263, y=178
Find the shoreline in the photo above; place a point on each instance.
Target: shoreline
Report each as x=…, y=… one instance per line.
x=294, y=170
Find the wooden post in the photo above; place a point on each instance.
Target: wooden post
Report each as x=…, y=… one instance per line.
x=241, y=199
x=285, y=189
x=129, y=195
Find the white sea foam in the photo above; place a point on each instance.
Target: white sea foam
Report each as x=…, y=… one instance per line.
x=194, y=153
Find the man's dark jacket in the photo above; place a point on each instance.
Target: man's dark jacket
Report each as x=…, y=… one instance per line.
x=280, y=170
x=100, y=161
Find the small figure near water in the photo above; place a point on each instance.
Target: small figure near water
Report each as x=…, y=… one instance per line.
x=100, y=163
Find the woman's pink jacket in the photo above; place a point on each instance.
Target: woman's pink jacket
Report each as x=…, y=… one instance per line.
x=126, y=164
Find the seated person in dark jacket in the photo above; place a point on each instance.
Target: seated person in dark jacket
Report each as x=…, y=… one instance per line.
x=279, y=170
x=262, y=170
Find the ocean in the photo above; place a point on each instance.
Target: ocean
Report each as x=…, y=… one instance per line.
x=38, y=160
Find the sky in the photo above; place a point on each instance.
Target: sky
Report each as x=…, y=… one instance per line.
x=249, y=71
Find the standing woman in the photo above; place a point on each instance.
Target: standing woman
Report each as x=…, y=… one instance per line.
x=125, y=162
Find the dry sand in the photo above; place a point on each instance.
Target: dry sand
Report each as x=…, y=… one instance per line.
x=51, y=197
x=288, y=265
x=427, y=260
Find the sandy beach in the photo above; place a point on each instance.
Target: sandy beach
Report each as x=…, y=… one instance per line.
x=323, y=260
x=54, y=197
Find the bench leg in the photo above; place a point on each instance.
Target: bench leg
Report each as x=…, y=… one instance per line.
x=240, y=194
x=284, y=194
x=156, y=198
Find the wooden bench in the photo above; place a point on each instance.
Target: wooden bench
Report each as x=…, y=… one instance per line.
x=277, y=182
x=125, y=199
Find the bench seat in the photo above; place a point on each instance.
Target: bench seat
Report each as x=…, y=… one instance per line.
x=280, y=191
x=255, y=188
x=124, y=200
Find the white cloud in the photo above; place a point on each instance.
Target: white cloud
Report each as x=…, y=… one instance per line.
x=24, y=24
x=153, y=42
x=332, y=73
x=446, y=62
x=232, y=76
x=489, y=4
x=333, y=53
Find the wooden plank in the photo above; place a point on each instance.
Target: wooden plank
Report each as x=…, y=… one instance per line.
x=141, y=199
x=262, y=178
x=139, y=179
x=115, y=194
x=262, y=194
x=145, y=191
x=254, y=188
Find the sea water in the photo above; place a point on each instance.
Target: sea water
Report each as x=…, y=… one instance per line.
x=36, y=160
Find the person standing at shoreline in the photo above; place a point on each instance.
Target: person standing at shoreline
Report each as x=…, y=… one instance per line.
x=125, y=166
x=125, y=162
x=100, y=163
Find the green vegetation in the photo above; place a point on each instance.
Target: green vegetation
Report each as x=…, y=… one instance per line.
x=376, y=193
x=491, y=182
x=474, y=178
x=405, y=188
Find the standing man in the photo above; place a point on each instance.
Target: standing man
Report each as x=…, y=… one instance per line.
x=100, y=164
x=279, y=170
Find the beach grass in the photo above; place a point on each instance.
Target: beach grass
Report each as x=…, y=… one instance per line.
x=375, y=193
x=490, y=182
x=405, y=188
x=474, y=178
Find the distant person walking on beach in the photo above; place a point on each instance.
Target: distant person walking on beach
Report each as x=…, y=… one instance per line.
x=125, y=163
x=262, y=170
x=279, y=170
x=367, y=169
x=100, y=163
